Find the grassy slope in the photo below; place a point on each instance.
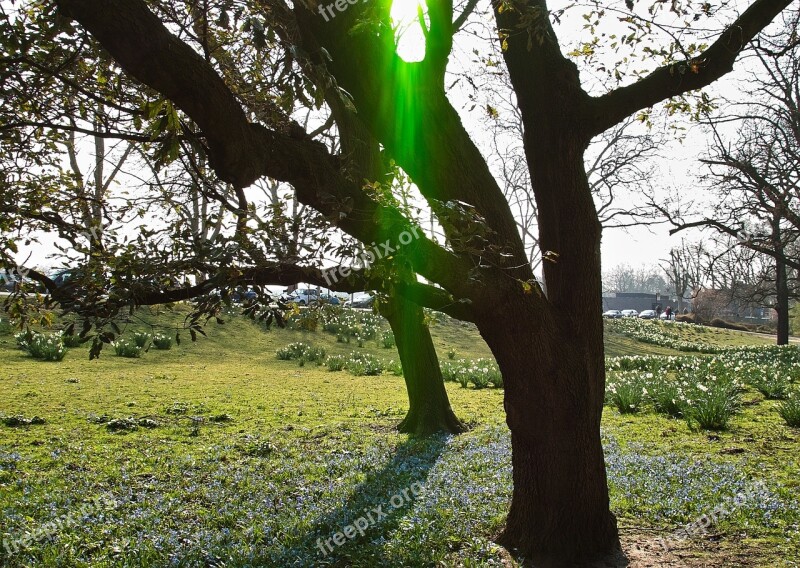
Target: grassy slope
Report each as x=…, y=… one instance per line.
x=617, y=344
x=314, y=422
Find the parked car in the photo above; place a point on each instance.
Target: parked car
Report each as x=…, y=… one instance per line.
x=276, y=293
x=72, y=281
x=360, y=301
x=8, y=282
x=242, y=294
x=62, y=277
x=329, y=298
x=304, y=296
x=630, y=313
x=613, y=314
x=75, y=283
x=648, y=315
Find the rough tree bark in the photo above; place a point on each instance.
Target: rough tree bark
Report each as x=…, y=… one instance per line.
x=554, y=377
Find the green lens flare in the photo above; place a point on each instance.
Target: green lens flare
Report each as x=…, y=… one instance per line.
x=408, y=32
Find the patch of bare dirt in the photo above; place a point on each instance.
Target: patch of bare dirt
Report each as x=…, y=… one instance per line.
x=648, y=550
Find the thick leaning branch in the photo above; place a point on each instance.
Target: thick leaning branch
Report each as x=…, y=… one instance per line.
x=422, y=294
x=681, y=77
x=136, y=38
x=282, y=274
x=242, y=152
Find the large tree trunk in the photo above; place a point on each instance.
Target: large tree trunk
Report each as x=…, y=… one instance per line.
x=553, y=366
x=559, y=513
x=429, y=408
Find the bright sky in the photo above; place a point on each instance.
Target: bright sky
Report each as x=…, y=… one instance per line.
x=678, y=168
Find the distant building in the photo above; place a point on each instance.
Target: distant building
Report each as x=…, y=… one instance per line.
x=641, y=301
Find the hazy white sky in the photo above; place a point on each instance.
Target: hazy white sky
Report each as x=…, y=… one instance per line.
x=678, y=169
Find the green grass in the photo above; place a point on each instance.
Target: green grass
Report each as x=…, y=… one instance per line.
x=223, y=454
x=619, y=345
x=681, y=336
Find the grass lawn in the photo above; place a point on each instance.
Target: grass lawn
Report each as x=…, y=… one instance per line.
x=222, y=455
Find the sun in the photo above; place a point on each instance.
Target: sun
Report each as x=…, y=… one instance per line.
x=408, y=33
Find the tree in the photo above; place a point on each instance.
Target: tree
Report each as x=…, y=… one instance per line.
x=90, y=195
x=756, y=175
x=685, y=270
x=744, y=280
x=194, y=208
x=549, y=349
x=429, y=409
x=624, y=278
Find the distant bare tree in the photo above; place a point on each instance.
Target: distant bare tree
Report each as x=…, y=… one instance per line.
x=757, y=175
x=619, y=166
x=625, y=278
x=91, y=185
x=685, y=270
x=747, y=277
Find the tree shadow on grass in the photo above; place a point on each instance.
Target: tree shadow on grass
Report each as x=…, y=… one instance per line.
x=373, y=508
